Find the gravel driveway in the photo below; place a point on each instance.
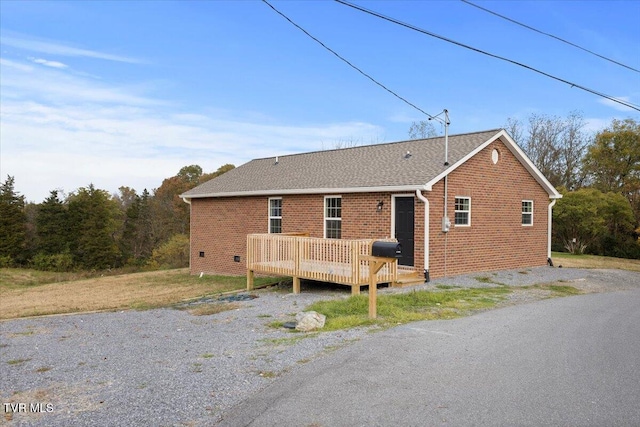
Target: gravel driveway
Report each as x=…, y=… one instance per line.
x=166, y=367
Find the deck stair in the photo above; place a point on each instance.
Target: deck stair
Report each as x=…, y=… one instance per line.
x=407, y=276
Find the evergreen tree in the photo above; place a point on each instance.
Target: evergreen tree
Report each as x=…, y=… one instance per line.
x=137, y=239
x=94, y=222
x=52, y=224
x=13, y=224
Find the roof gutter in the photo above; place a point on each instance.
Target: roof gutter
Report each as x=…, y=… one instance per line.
x=380, y=189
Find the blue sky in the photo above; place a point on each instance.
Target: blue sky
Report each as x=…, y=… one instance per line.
x=119, y=93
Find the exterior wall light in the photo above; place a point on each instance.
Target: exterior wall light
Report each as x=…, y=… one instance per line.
x=380, y=205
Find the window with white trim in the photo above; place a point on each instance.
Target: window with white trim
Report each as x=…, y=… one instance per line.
x=333, y=217
x=462, y=216
x=527, y=212
x=275, y=215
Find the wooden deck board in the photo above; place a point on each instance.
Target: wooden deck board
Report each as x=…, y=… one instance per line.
x=326, y=260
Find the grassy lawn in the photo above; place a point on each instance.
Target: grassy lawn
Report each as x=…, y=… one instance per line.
x=25, y=292
x=444, y=303
x=594, y=261
x=33, y=293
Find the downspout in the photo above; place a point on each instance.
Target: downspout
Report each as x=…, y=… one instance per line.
x=426, y=234
x=550, y=220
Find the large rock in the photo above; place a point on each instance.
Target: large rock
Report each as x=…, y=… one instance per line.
x=309, y=320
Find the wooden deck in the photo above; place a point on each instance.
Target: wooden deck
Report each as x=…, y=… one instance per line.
x=325, y=260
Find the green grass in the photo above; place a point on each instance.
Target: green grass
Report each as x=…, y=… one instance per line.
x=488, y=280
x=557, y=290
x=407, y=307
x=447, y=287
x=286, y=340
x=17, y=361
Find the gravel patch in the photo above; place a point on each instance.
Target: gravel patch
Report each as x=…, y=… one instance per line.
x=167, y=367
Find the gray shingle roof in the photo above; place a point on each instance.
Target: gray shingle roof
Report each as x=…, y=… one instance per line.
x=357, y=169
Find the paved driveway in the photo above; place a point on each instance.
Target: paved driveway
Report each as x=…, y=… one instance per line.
x=562, y=362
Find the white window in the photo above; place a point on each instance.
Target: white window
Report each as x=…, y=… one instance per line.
x=527, y=212
x=275, y=215
x=462, y=211
x=333, y=217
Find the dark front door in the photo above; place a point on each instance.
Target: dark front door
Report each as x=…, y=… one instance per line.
x=404, y=228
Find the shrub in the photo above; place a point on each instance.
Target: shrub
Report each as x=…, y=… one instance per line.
x=6, y=261
x=172, y=254
x=57, y=262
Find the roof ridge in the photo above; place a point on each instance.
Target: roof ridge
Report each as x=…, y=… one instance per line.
x=495, y=130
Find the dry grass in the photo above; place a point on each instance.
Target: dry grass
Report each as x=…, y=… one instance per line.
x=213, y=308
x=129, y=291
x=594, y=261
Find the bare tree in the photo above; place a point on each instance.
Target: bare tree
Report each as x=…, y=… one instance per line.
x=514, y=129
x=572, y=150
x=542, y=145
x=422, y=129
x=351, y=142
x=555, y=145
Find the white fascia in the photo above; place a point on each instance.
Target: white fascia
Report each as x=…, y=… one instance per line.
x=384, y=189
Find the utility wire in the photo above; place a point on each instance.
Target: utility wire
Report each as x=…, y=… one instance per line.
x=420, y=30
x=548, y=35
x=349, y=63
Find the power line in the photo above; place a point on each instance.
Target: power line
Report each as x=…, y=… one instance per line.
x=349, y=63
x=420, y=30
x=548, y=35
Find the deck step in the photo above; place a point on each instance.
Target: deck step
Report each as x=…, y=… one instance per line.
x=409, y=278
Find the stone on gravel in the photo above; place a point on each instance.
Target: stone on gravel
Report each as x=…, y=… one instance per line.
x=309, y=321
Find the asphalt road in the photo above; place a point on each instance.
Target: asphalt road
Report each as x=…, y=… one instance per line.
x=563, y=362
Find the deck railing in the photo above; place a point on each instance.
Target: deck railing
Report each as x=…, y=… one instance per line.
x=325, y=260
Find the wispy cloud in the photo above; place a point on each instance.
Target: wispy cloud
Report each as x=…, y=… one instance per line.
x=617, y=105
x=65, y=130
x=15, y=65
x=47, y=63
x=55, y=84
x=57, y=48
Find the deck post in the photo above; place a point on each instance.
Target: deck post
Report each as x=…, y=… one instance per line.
x=249, y=280
x=296, y=285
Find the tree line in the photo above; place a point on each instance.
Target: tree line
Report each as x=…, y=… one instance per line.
x=597, y=173
x=91, y=229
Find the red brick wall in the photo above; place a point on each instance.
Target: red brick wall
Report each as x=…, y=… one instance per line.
x=496, y=239
x=219, y=226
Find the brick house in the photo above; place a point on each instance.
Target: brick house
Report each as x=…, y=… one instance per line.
x=497, y=202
